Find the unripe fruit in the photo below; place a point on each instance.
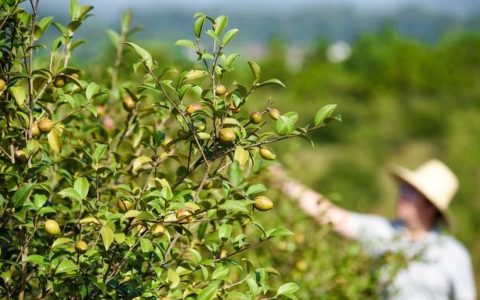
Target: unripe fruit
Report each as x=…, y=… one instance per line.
x=220, y=90
x=45, y=125
x=21, y=156
x=191, y=108
x=75, y=75
x=59, y=82
x=157, y=230
x=301, y=265
x=81, y=247
x=226, y=135
x=100, y=111
x=128, y=103
x=255, y=117
x=183, y=215
x=52, y=228
x=263, y=203
x=267, y=154
x=34, y=130
x=3, y=85
x=208, y=184
x=124, y=205
x=274, y=113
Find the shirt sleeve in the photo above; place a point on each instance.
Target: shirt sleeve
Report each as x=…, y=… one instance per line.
x=462, y=275
x=372, y=231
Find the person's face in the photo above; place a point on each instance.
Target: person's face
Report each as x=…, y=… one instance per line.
x=412, y=207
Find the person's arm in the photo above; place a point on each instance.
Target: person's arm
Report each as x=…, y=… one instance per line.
x=314, y=203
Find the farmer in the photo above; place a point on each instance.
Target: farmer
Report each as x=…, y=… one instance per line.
x=444, y=270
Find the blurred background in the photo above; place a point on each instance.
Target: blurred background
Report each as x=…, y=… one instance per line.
x=405, y=75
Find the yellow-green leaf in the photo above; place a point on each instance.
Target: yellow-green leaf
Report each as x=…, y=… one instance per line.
x=241, y=155
x=107, y=236
x=54, y=140
x=19, y=94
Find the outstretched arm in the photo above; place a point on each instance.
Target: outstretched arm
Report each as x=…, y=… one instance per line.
x=313, y=203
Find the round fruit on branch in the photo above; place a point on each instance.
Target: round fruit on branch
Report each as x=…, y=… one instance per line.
x=267, y=154
x=81, y=247
x=45, y=125
x=226, y=135
x=51, y=227
x=263, y=203
x=255, y=117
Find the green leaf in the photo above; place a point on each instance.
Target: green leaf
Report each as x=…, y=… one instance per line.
x=256, y=71
x=146, y=57
x=107, y=236
x=286, y=123
x=229, y=36
x=36, y=259
x=146, y=245
x=278, y=232
x=324, y=113
x=234, y=205
x=209, y=292
x=272, y=81
x=173, y=278
x=54, y=140
x=21, y=195
x=197, y=27
x=220, y=24
x=131, y=214
x=220, y=273
x=66, y=266
x=139, y=162
x=39, y=200
x=61, y=241
x=241, y=155
x=256, y=188
x=19, y=94
x=70, y=193
x=185, y=43
x=225, y=231
x=114, y=37
x=99, y=152
x=81, y=187
x=287, y=289
x=92, y=89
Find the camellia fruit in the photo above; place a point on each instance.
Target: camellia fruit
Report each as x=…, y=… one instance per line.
x=21, y=156
x=267, y=154
x=3, y=85
x=157, y=230
x=274, y=113
x=128, y=103
x=34, y=130
x=45, y=125
x=184, y=215
x=255, y=117
x=81, y=246
x=226, y=135
x=191, y=108
x=263, y=203
x=124, y=205
x=220, y=90
x=59, y=82
x=52, y=228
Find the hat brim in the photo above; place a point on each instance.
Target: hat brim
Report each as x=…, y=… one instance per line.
x=405, y=175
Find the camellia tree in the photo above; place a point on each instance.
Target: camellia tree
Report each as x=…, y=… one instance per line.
x=144, y=187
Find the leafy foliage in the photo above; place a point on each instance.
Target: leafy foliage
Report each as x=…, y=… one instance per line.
x=151, y=200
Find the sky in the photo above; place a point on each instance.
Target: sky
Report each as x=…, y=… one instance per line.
x=116, y=6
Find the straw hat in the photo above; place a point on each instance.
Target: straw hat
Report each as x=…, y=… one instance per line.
x=434, y=180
